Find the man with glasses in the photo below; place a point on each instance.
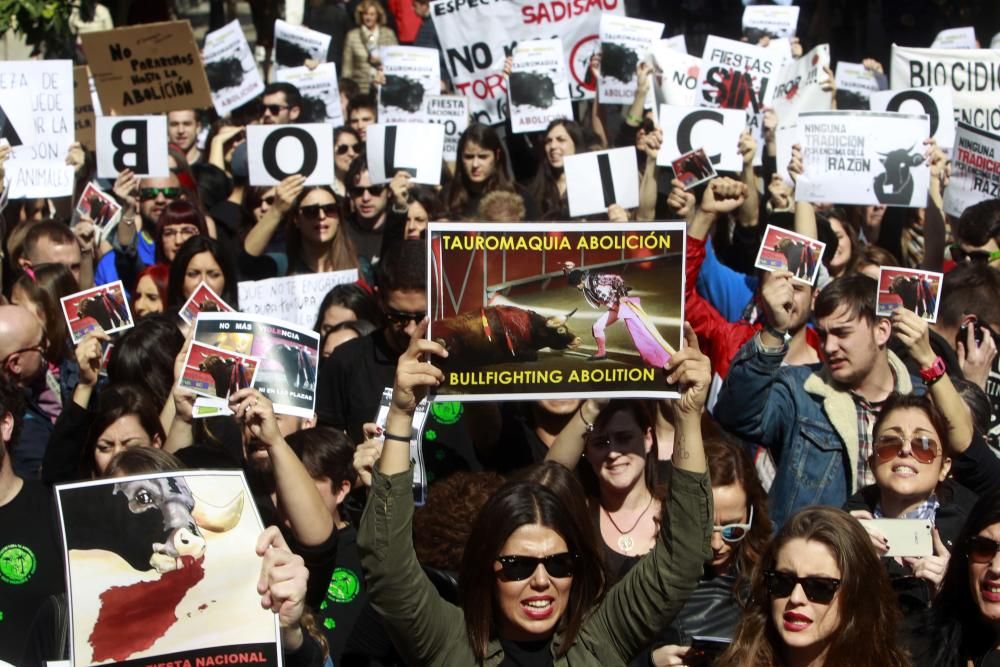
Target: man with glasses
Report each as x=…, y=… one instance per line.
x=281, y=104
x=976, y=234
x=22, y=353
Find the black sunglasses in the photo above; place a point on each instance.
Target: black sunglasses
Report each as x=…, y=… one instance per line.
x=402, y=317
x=343, y=148
x=153, y=193
x=273, y=109
x=312, y=211
x=973, y=256
x=982, y=549
x=817, y=589
x=519, y=568
x=267, y=200
x=373, y=190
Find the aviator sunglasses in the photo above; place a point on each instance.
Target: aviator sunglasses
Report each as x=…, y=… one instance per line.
x=817, y=589
x=982, y=549
x=519, y=568
x=923, y=448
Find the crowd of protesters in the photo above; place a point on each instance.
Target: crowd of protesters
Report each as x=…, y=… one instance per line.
x=731, y=526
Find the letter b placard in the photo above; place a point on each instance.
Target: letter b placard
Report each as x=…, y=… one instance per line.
x=275, y=152
x=138, y=143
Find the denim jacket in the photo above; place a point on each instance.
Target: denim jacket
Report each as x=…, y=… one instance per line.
x=809, y=424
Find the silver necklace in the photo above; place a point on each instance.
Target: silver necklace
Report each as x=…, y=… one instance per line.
x=625, y=541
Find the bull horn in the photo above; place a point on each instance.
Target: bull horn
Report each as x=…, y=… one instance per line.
x=570, y=314
x=218, y=519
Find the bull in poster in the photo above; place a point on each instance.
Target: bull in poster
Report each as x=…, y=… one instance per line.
x=576, y=310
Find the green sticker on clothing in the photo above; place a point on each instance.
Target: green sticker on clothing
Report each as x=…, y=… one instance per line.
x=344, y=586
x=17, y=564
x=329, y=623
x=447, y=412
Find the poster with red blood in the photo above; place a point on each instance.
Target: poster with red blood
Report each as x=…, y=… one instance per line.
x=914, y=290
x=102, y=307
x=162, y=569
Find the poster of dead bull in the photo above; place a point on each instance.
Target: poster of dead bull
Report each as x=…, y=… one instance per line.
x=412, y=75
x=230, y=68
x=625, y=42
x=289, y=355
x=975, y=169
x=539, y=91
x=577, y=310
x=161, y=569
x=864, y=157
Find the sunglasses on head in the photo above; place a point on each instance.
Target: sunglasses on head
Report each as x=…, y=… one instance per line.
x=153, y=193
x=402, y=317
x=734, y=532
x=519, y=568
x=817, y=589
x=373, y=190
x=273, y=109
x=889, y=446
x=343, y=148
x=961, y=256
x=312, y=211
x=982, y=549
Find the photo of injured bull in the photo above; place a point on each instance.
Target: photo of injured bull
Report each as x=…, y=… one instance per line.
x=216, y=373
x=914, y=290
x=105, y=307
x=571, y=310
x=162, y=568
x=288, y=354
x=782, y=249
x=203, y=300
x=97, y=205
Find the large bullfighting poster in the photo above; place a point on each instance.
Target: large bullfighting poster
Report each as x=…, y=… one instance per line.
x=564, y=310
x=162, y=569
x=288, y=353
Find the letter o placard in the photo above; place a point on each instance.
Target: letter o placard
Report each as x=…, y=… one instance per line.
x=310, y=152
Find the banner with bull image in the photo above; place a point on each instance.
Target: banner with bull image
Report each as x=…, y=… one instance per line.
x=574, y=310
x=412, y=74
x=231, y=68
x=625, y=42
x=539, y=90
x=288, y=353
x=162, y=569
x=864, y=157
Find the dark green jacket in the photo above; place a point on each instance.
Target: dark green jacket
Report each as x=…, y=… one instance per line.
x=429, y=631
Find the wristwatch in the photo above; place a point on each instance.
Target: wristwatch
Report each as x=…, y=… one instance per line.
x=934, y=372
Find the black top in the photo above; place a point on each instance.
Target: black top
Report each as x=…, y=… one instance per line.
x=527, y=654
x=617, y=564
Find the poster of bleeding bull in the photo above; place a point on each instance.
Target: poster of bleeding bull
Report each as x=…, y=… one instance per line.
x=162, y=569
x=288, y=353
x=569, y=311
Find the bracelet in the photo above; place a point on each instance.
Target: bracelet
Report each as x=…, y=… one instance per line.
x=392, y=436
x=774, y=331
x=589, y=427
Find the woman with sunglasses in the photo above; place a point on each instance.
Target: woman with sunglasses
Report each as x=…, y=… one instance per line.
x=819, y=598
x=532, y=587
x=317, y=239
x=346, y=147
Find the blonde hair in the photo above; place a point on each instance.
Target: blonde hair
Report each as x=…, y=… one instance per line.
x=363, y=6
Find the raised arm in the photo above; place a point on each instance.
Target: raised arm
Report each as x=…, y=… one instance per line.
x=749, y=212
x=805, y=214
x=569, y=444
x=285, y=196
x=935, y=232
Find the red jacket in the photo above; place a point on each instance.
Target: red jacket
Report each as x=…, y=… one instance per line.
x=407, y=21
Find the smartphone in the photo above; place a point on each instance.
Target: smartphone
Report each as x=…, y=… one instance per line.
x=705, y=650
x=907, y=537
x=978, y=330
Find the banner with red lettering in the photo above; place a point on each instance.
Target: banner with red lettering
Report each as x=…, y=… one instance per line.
x=975, y=173
x=477, y=35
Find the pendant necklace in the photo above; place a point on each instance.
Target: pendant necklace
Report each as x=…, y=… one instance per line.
x=625, y=541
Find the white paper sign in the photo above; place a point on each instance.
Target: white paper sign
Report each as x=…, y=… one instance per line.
x=138, y=143
x=956, y=38
x=294, y=299
x=294, y=44
x=864, y=157
x=411, y=75
x=452, y=113
x=689, y=128
x=320, y=92
x=413, y=147
x=624, y=44
x=676, y=43
x=975, y=175
x=995, y=42
x=935, y=102
x=231, y=68
x=275, y=152
x=736, y=75
x=676, y=75
x=538, y=87
x=856, y=79
x=37, y=96
x=800, y=86
x=774, y=21
x=595, y=181
x=785, y=136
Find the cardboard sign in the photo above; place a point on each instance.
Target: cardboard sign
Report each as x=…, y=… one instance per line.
x=476, y=37
x=692, y=169
x=855, y=84
x=276, y=152
x=452, y=113
x=149, y=68
x=773, y=21
x=320, y=92
x=975, y=173
x=972, y=75
x=918, y=291
x=716, y=130
x=293, y=299
x=864, y=157
x=416, y=148
x=231, y=68
x=103, y=307
x=784, y=250
x=177, y=583
x=800, y=86
x=295, y=44
x=676, y=75
x=412, y=74
x=736, y=75
x=538, y=87
x=36, y=101
x=956, y=38
x=625, y=42
x=138, y=143
x=935, y=102
x=575, y=281
x=595, y=181
x=83, y=105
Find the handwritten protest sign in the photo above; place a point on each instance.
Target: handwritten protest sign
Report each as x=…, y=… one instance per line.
x=40, y=94
x=625, y=42
x=538, y=87
x=935, y=102
x=975, y=169
x=412, y=74
x=864, y=157
x=149, y=68
x=293, y=299
x=320, y=92
x=294, y=44
x=451, y=111
x=231, y=68
x=715, y=130
x=83, y=107
x=575, y=281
